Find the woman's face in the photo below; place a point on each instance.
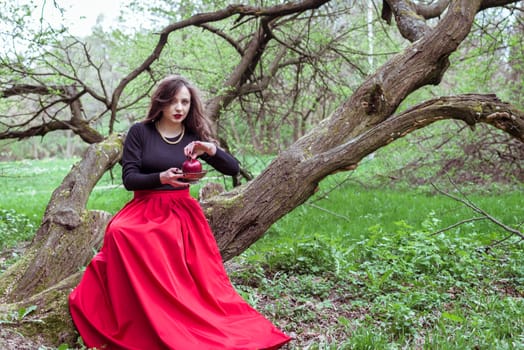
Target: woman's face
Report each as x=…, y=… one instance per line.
x=176, y=111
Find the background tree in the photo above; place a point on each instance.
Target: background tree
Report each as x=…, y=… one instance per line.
x=368, y=118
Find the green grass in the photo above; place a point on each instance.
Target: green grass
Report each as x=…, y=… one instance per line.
x=363, y=267
x=358, y=266
x=26, y=186
x=351, y=210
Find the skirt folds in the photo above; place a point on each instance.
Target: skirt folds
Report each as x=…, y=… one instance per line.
x=159, y=283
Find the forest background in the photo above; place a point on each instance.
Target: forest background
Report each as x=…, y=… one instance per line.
x=418, y=247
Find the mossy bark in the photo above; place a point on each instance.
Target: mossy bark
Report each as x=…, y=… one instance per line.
x=62, y=253
x=50, y=322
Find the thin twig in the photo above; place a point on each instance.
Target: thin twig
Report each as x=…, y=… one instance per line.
x=502, y=240
x=466, y=201
x=458, y=224
x=325, y=194
x=328, y=211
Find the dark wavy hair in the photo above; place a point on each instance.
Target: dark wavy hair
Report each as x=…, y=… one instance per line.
x=196, y=120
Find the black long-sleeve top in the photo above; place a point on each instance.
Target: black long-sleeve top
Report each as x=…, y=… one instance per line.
x=146, y=155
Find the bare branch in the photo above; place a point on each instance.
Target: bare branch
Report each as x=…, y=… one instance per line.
x=240, y=73
x=467, y=202
x=69, y=96
x=343, y=217
x=196, y=20
x=411, y=24
x=39, y=130
x=24, y=89
x=223, y=35
x=462, y=222
x=495, y=3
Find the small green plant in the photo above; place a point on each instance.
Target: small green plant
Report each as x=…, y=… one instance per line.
x=365, y=339
x=18, y=316
x=307, y=255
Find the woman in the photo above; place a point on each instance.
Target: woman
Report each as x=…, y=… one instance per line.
x=158, y=281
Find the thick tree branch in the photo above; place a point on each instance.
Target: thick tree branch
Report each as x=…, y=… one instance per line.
x=65, y=223
x=411, y=24
x=302, y=173
x=377, y=98
x=26, y=89
x=495, y=3
x=80, y=127
x=432, y=10
x=471, y=108
x=240, y=74
x=69, y=96
x=411, y=16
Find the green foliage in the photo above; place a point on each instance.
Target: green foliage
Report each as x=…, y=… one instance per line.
x=109, y=193
x=396, y=284
x=14, y=228
x=405, y=288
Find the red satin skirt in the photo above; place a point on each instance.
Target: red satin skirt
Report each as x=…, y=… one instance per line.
x=159, y=283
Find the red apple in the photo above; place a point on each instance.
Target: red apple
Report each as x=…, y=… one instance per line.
x=191, y=166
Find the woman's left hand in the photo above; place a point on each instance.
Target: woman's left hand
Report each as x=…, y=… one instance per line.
x=197, y=148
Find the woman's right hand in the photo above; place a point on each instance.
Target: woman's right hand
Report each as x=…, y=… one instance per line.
x=172, y=176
